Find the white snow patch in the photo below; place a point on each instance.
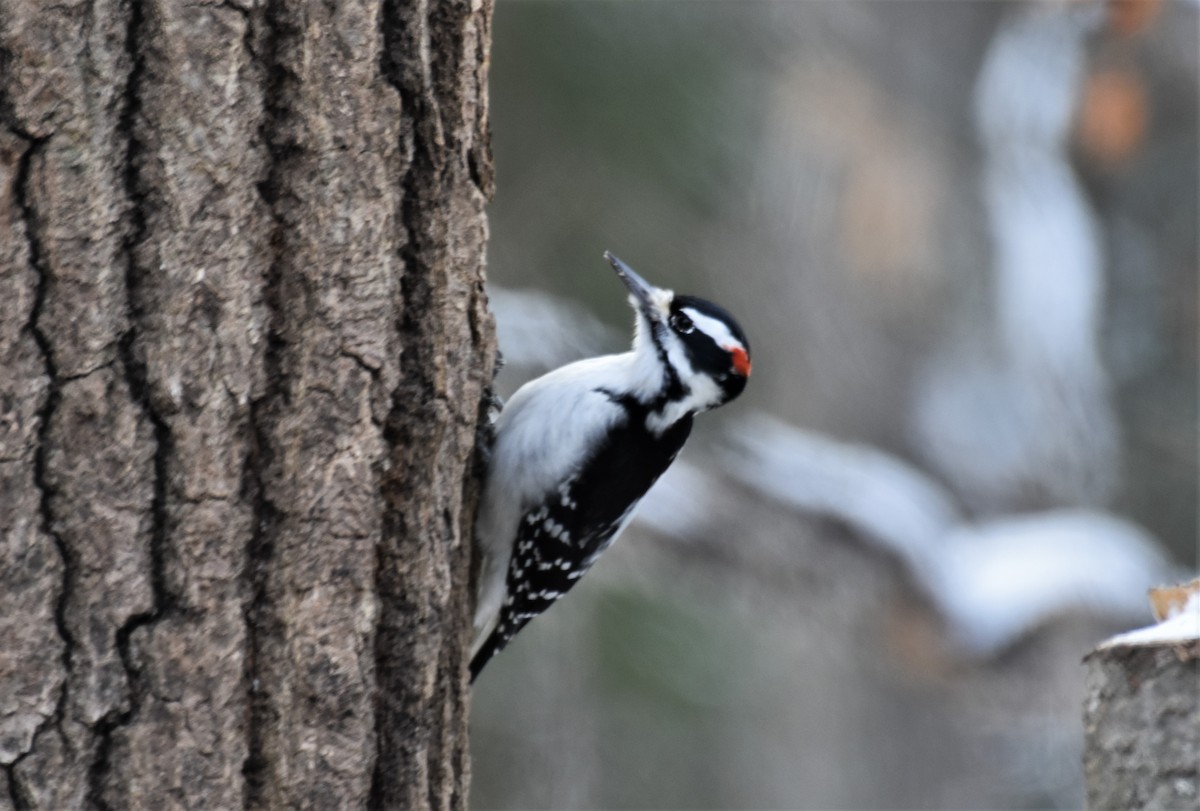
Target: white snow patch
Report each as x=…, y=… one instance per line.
x=1183, y=626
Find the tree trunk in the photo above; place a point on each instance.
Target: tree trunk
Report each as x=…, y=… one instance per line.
x=243, y=354
x=1142, y=726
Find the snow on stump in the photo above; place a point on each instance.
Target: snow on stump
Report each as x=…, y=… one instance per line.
x=1142, y=711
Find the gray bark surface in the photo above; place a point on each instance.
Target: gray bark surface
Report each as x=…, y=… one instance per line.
x=243, y=351
x=1142, y=727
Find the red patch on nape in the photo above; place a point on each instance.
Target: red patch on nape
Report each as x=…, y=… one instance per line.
x=741, y=361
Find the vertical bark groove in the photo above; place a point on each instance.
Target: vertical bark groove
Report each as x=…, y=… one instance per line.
x=136, y=380
x=261, y=620
x=45, y=411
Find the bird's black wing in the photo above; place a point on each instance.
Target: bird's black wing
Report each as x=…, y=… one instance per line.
x=559, y=539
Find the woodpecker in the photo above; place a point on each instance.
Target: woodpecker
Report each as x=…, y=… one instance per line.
x=576, y=449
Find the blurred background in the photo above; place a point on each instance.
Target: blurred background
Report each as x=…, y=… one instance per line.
x=962, y=238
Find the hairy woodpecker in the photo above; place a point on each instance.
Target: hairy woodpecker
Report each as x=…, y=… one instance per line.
x=577, y=448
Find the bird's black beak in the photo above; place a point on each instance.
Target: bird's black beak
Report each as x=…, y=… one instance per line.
x=641, y=290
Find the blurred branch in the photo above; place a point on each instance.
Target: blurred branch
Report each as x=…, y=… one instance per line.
x=1029, y=422
x=993, y=581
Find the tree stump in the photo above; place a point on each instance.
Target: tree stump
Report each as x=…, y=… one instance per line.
x=1142, y=720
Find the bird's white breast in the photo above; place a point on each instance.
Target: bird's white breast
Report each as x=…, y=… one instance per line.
x=543, y=435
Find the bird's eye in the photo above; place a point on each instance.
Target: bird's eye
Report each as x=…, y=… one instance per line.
x=682, y=324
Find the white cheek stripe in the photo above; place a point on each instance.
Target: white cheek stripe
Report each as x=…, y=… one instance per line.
x=717, y=330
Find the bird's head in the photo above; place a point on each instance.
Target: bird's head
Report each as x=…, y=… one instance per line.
x=701, y=352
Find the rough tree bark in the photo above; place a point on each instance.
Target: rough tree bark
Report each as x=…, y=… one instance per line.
x=243, y=351
x=1142, y=726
